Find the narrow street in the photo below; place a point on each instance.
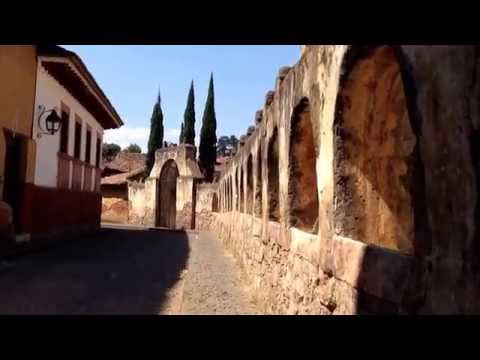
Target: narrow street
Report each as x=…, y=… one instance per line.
x=126, y=271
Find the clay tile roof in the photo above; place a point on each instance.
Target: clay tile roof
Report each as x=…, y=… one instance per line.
x=120, y=179
x=136, y=172
x=117, y=179
x=127, y=162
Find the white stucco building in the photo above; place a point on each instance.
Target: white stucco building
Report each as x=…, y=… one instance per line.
x=67, y=163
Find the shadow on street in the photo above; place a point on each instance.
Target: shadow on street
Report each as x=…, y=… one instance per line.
x=116, y=271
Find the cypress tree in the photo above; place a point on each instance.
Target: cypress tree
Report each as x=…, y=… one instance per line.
x=155, y=140
x=180, y=141
x=189, y=119
x=208, y=136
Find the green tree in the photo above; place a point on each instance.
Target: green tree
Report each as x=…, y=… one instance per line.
x=233, y=141
x=180, y=141
x=208, y=136
x=155, y=140
x=133, y=148
x=109, y=151
x=222, y=145
x=189, y=119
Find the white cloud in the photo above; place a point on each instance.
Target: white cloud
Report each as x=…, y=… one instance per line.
x=139, y=135
x=171, y=135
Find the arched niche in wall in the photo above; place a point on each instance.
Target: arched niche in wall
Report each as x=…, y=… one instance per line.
x=378, y=173
x=249, y=193
x=237, y=189
x=302, y=180
x=215, y=203
x=258, y=184
x=230, y=200
x=273, y=178
x=242, y=192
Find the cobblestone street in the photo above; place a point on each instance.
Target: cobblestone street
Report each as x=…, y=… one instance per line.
x=213, y=283
x=125, y=271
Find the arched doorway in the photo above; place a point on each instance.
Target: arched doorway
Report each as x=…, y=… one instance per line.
x=167, y=198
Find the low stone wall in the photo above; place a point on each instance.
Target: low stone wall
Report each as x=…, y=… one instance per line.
x=114, y=210
x=141, y=202
x=292, y=272
x=184, y=218
x=205, y=194
x=205, y=220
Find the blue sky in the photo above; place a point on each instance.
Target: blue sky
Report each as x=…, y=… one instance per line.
x=131, y=76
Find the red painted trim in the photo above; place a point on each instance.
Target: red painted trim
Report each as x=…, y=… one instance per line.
x=51, y=210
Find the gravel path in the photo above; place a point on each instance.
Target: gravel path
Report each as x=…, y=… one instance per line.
x=213, y=283
x=125, y=271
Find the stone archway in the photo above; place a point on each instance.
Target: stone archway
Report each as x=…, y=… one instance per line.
x=167, y=195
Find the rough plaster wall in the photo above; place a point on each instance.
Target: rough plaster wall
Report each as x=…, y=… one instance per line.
x=205, y=197
x=447, y=98
x=183, y=156
x=114, y=210
x=302, y=191
x=185, y=202
x=141, y=199
x=374, y=144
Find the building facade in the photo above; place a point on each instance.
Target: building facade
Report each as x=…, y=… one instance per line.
x=18, y=66
x=59, y=178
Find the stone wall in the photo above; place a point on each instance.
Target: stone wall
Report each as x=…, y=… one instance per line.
x=205, y=197
x=141, y=202
x=292, y=280
x=397, y=166
x=175, y=167
x=206, y=200
x=114, y=210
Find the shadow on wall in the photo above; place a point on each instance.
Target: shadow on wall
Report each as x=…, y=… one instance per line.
x=115, y=272
x=383, y=283
x=379, y=182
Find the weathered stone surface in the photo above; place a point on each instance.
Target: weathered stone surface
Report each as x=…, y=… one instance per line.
x=269, y=97
x=258, y=117
x=114, y=210
x=284, y=70
x=396, y=138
